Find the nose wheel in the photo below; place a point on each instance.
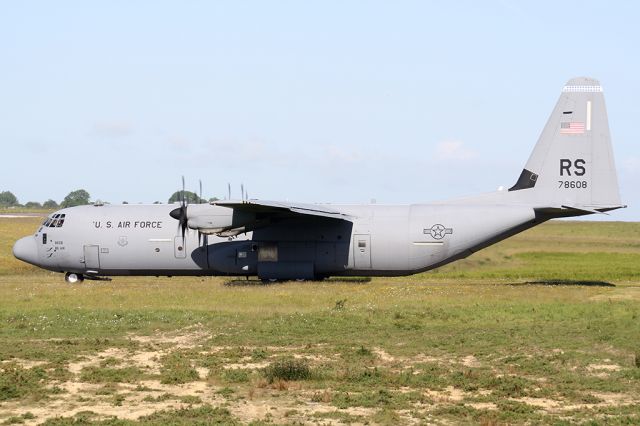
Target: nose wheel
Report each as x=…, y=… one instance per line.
x=73, y=278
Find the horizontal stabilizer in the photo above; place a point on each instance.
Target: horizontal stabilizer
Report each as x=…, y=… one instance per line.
x=575, y=210
x=584, y=209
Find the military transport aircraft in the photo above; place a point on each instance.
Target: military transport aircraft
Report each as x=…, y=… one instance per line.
x=571, y=172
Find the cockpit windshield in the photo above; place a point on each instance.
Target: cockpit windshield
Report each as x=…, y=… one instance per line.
x=55, y=221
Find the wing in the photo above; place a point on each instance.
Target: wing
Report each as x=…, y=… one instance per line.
x=277, y=207
x=229, y=218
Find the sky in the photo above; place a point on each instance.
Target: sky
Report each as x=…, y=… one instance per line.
x=314, y=101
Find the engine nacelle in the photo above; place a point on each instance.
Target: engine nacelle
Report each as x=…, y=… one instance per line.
x=210, y=219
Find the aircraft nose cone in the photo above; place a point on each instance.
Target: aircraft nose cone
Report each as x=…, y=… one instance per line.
x=26, y=250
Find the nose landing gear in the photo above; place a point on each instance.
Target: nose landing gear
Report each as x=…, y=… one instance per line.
x=73, y=278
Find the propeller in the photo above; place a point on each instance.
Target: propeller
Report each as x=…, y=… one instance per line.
x=180, y=213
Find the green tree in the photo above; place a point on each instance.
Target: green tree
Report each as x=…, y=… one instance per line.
x=33, y=205
x=8, y=199
x=190, y=197
x=79, y=197
x=50, y=204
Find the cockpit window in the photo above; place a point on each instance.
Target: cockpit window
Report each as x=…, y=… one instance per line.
x=55, y=221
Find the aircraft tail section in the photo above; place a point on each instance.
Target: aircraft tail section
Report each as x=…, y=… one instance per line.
x=572, y=165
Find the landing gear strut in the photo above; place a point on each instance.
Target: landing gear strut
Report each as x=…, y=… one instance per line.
x=73, y=278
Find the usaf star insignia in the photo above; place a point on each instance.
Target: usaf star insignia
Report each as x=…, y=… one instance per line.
x=438, y=231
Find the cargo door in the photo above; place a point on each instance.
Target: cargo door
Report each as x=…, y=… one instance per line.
x=362, y=251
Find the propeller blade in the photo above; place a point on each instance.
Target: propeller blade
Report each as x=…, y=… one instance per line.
x=200, y=200
x=183, y=201
x=229, y=191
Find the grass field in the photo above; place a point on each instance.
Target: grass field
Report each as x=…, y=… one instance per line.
x=542, y=328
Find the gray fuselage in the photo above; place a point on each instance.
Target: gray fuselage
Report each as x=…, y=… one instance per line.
x=378, y=241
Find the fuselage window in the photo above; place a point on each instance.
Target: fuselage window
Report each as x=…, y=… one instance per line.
x=56, y=221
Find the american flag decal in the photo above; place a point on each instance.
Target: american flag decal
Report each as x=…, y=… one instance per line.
x=574, y=128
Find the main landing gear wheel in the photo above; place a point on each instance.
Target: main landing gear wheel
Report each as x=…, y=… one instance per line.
x=73, y=278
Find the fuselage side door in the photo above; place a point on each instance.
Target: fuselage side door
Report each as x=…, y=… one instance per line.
x=92, y=257
x=362, y=251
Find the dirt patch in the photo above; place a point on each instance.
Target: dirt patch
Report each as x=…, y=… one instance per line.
x=185, y=338
x=383, y=355
x=625, y=293
x=544, y=403
x=603, y=367
x=24, y=363
x=80, y=396
x=256, y=399
x=94, y=360
x=470, y=361
x=602, y=371
x=482, y=405
x=426, y=358
x=614, y=398
x=246, y=366
x=387, y=358
x=314, y=358
x=449, y=394
x=147, y=361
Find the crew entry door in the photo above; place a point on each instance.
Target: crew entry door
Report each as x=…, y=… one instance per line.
x=362, y=251
x=92, y=257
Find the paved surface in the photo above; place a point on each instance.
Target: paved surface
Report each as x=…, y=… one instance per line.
x=21, y=215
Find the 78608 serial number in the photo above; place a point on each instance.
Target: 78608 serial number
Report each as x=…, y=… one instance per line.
x=572, y=184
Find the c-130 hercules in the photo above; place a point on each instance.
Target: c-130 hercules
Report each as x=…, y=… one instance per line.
x=571, y=172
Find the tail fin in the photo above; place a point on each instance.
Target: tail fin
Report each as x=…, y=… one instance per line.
x=572, y=164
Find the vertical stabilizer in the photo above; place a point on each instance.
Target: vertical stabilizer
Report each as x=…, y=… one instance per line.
x=572, y=164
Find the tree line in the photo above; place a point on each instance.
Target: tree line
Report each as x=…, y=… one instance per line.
x=81, y=197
